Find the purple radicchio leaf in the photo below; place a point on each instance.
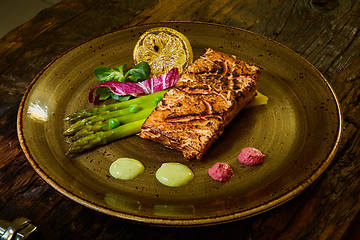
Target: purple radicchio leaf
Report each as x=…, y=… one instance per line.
x=148, y=86
x=164, y=81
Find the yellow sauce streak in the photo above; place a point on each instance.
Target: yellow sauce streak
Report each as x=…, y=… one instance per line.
x=174, y=174
x=126, y=168
x=260, y=99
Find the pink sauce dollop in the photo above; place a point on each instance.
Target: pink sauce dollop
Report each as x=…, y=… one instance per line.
x=221, y=172
x=251, y=156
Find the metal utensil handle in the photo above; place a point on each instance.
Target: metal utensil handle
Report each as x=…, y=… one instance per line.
x=18, y=229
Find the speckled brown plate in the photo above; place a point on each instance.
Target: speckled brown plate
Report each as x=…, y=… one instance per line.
x=299, y=131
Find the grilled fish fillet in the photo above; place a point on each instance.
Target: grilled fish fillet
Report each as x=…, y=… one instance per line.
x=208, y=95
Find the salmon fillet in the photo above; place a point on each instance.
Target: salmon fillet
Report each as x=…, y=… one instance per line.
x=208, y=95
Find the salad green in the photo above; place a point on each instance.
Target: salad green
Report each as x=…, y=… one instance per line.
x=140, y=71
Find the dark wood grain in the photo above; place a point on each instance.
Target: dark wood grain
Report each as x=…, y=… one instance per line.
x=326, y=32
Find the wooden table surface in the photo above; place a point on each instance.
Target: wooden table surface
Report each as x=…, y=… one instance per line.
x=326, y=32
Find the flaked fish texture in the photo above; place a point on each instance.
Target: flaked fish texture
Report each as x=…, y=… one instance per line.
x=208, y=95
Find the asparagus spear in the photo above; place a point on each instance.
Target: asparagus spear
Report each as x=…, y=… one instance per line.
x=104, y=125
x=104, y=137
x=105, y=109
x=94, y=120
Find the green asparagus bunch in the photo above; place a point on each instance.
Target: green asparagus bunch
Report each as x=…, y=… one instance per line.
x=101, y=125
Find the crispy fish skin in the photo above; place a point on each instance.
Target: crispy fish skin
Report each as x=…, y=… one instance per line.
x=208, y=95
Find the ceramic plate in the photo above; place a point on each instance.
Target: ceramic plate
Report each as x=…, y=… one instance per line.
x=298, y=130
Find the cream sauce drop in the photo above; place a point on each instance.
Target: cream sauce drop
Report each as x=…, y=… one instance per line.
x=174, y=174
x=126, y=168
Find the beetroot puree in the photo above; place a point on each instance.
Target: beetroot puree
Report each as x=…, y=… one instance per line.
x=221, y=172
x=251, y=156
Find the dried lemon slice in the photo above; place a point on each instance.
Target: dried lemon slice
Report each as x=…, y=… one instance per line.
x=163, y=48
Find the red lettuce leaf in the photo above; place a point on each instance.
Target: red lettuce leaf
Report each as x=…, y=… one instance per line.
x=148, y=86
x=164, y=81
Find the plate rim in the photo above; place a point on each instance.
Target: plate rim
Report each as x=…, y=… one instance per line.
x=296, y=190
